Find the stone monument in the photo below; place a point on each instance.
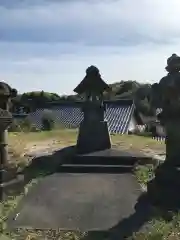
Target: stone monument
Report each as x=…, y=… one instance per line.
x=93, y=131
x=163, y=190
x=93, y=150
x=6, y=93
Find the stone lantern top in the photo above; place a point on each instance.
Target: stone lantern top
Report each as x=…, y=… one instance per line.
x=166, y=93
x=92, y=82
x=173, y=63
x=7, y=91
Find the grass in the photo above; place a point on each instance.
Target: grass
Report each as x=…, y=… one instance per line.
x=144, y=173
x=21, y=142
x=161, y=230
x=8, y=206
x=138, y=143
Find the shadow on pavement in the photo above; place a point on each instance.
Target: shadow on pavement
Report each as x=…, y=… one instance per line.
x=46, y=164
x=128, y=226
x=39, y=166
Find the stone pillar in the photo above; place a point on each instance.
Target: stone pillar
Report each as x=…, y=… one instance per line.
x=4, y=146
x=3, y=159
x=6, y=92
x=5, y=121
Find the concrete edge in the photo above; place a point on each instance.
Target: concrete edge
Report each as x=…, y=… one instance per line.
x=143, y=187
x=156, y=160
x=148, y=159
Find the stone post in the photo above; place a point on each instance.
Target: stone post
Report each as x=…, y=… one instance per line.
x=5, y=120
x=3, y=159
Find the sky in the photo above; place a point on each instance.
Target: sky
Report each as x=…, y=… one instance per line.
x=48, y=44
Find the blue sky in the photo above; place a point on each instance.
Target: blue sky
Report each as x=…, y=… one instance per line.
x=48, y=44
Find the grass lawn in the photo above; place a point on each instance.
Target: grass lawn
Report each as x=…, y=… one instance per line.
x=19, y=143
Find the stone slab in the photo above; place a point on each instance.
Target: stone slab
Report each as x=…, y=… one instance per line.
x=115, y=153
x=107, y=157
x=77, y=201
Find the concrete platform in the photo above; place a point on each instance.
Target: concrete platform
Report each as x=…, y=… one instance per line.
x=78, y=201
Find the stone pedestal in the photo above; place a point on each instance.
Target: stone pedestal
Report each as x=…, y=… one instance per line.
x=164, y=189
x=93, y=137
x=93, y=132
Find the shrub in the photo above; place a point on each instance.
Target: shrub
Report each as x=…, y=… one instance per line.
x=23, y=125
x=14, y=127
x=48, y=122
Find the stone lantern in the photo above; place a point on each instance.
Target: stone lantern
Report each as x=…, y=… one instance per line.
x=93, y=132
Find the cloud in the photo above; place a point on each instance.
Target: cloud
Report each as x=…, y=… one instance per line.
x=48, y=44
x=91, y=22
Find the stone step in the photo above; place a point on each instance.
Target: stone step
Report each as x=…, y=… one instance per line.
x=103, y=160
x=90, y=168
x=106, y=157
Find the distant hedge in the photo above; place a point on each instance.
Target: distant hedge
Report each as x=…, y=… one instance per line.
x=139, y=92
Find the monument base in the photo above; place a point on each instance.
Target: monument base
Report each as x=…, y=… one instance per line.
x=93, y=137
x=163, y=190
x=108, y=160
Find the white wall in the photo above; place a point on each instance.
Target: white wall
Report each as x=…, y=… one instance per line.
x=132, y=124
x=160, y=131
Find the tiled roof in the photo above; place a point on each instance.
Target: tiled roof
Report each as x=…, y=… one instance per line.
x=117, y=116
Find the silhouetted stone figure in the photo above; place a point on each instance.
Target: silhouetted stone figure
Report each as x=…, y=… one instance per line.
x=6, y=93
x=164, y=188
x=93, y=132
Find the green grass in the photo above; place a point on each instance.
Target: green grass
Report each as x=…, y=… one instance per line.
x=161, y=230
x=20, y=139
x=144, y=173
